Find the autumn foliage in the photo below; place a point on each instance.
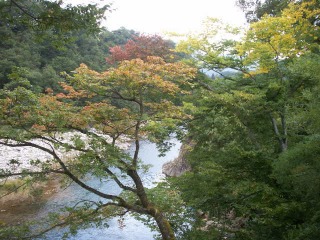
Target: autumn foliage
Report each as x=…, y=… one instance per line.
x=141, y=47
x=137, y=99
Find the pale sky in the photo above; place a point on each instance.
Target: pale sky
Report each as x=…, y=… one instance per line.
x=159, y=16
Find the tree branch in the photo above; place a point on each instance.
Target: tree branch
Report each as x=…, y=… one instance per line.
x=24, y=11
x=31, y=173
x=14, y=190
x=66, y=170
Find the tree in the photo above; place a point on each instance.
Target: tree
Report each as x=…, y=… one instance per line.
x=141, y=47
x=255, y=9
x=252, y=139
x=42, y=31
x=134, y=100
x=286, y=36
x=50, y=54
x=268, y=45
x=54, y=15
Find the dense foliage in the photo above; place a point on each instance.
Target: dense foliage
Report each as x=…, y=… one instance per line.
x=18, y=48
x=253, y=129
x=42, y=53
x=45, y=96
x=255, y=161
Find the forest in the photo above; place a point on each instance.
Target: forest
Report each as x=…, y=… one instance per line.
x=250, y=129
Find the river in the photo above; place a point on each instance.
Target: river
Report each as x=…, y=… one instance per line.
x=133, y=229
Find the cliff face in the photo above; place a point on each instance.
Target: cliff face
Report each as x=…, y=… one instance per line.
x=179, y=165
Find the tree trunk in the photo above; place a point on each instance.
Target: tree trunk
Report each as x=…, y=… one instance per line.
x=163, y=224
x=282, y=138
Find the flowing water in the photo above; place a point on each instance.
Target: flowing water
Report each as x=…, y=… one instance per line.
x=133, y=229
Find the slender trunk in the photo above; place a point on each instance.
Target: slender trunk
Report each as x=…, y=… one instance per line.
x=282, y=138
x=285, y=134
x=162, y=223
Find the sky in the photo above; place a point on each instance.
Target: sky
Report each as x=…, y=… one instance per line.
x=161, y=16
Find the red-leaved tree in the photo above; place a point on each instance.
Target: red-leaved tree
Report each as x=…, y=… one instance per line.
x=141, y=47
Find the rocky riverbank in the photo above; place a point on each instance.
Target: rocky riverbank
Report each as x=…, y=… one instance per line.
x=179, y=165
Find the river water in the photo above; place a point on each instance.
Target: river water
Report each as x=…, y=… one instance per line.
x=133, y=229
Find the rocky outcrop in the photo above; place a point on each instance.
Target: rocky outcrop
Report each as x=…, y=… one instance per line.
x=179, y=165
